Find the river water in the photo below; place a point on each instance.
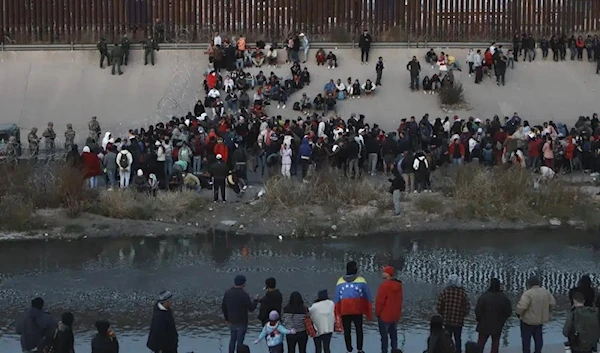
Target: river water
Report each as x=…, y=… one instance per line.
x=117, y=279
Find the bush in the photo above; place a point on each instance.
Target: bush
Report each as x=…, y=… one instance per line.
x=452, y=95
x=429, y=204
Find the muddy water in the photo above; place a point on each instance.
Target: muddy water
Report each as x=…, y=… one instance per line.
x=118, y=279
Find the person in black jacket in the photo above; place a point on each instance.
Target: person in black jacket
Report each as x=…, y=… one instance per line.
x=414, y=67
x=500, y=70
x=65, y=340
x=163, y=336
x=584, y=286
x=35, y=325
x=364, y=43
x=396, y=188
x=104, y=341
x=235, y=306
x=491, y=312
x=219, y=172
x=273, y=300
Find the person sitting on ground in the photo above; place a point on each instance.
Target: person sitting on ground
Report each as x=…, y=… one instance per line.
x=320, y=57
x=329, y=87
x=139, y=181
x=282, y=96
x=442, y=62
x=331, y=61
x=153, y=184
x=341, y=90
x=258, y=58
x=329, y=104
x=349, y=87
x=260, y=79
x=305, y=105
x=452, y=63
x=228, y=84
x=368, y=87
x=427, y=85
x=318, y=102
x=305, y=77
x=431, y=57
x=295, y=69
x=436, y=84
x=272, y=55
x=356, y=87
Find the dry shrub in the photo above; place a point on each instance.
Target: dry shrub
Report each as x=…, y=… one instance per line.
x=178, y=204
x=509, y=194
x=452, y=94
x=16, y=213
x=323, y=188
x=430, y=204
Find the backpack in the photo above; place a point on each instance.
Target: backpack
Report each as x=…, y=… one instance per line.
x=124, y=161
x=296, y=106
x=422, y=167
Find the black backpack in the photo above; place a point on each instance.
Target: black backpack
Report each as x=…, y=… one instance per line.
x=296, y=106
x=422, y=167
x=124, y=161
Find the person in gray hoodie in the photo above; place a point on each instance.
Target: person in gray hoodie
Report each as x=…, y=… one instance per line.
x=110, y=164
x=36, y=327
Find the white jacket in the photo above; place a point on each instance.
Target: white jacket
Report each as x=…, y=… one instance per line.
x=321, y=130
x=322, y=316
x=160, y=154
x=472, y=144
x=470, y=56
x=129, y=157
x=418, y=161
x=286, y=156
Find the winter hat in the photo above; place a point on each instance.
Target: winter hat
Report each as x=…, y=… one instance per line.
x=273, y=315
x=219, y=156
x=86, y=149
x=436, y=323
x=140, y=172
x=239, y=280
x=351, y=268
x=322, y=295
x=157, y=143
x=164, y=296
x=102, y=326
x=389, y=270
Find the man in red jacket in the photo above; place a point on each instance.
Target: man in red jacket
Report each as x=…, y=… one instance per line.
x=388, y=308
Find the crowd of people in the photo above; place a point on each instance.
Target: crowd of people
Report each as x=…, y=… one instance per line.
x=297, y=321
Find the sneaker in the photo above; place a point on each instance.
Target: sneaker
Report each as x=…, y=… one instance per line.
x=245, y=187
x=277, y=106
x=283, y=106
x=469, y=75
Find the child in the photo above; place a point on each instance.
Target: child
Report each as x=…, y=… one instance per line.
x=511, y=59
x=274, y=332
x=320, y=56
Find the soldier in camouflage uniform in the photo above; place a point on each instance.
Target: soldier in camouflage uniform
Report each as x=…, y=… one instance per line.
x=103, y=49
x=69, y=138
x=116, y=55
x=150, y=45
x=125, y=48
x=94, y=128
x=49, y=135
x=34, y=142
x=12, y=148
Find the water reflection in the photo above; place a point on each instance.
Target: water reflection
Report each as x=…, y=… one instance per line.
x=118, y=278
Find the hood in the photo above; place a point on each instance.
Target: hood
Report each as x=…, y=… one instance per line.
x=304, y=141
x=350, y=278
x=454, y=281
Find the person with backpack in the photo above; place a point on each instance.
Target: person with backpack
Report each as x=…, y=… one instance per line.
x=36, y=327
x=421, y=168
x=582, y=328
x=124, y=161
x=439, y=340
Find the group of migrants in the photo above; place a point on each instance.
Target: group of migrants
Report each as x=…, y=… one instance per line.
x=296, y=321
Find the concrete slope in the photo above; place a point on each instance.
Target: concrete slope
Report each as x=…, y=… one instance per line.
x=69, y=87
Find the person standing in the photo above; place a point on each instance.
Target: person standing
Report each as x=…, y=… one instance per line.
x=477, y=66
x=105, y=340
x=116, y=56
x=379, y=70
x=273, y=300
x=352, y=301
x=65, y=340
x=470, y=61
x=125, y=46
x=305, y=45
x=453, y=306
x=33, y=142
x=124, y=160
x=500, y=70
x=69, y=137
x=293, y=318
x=103, y=49
x=49, y=136
x=36, y=327
x=364, y=43
x=534, y=311
x=163, y=336
x=235, y=307
x=323, y=317
x=414, y=67
x=219, y=172
x=150, y=45
x=388, y=308
x=94, y=129
x=491, y=312
x=581, y=328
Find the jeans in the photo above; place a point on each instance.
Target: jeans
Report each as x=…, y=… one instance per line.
x=238, y=333
x=148, y=53
x=372, y=162
x=409, y=180
x=353, y=166
x=260, y=161
x=482, y=340
x=233, y=106
x=414, y=82
x=531, y=331
x=168, y=166
x=306, y=49
x=197, y=166
x=511, y=63
x=322, y=343
x=457, y=161
x=300, y=339
x=397, y=206
x=590, y=55
x=347, y=321
x=456, y=333
x=471, y=71
x=239, y=63
x=388, y=329
x=112, y=177
x=276, y=349
x=573, y=54
x=531, y=54
x=124, y=176
x=93, y=182
x=500, y=79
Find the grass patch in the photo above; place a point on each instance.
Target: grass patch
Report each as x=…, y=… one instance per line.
x=452, y=94
x=73, y=229
x=508, y=194
x=429, y=204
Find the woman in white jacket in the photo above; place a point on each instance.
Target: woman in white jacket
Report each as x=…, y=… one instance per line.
x=286, y=160
x=323, y=318
x=124, y=167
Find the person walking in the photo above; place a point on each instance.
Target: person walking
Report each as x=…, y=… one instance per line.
x=273, y=332
x=352, y=301
x=581, y=327
x=322, y=315
x=364, y=43
x=105, y=340
x=379, y=70
x=534, y=311
x=272, y=300
x=293, y=318
x=388, y=308
x=103, y=49
x=235, y=307
x=453, y=306
x=491, y=312
x=163, y=336
x=36, y=327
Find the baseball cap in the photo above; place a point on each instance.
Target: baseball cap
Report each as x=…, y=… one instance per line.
x=389, y=270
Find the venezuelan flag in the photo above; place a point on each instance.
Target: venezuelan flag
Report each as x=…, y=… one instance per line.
x=352, y=297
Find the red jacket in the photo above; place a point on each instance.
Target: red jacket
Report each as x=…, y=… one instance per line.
x=453, y=147
x=534, y=147
x=388, y=305
x=221, y=149
x=91, y=164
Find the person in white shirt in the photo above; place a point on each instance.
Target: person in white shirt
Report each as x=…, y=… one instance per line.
x=228, y=84
x=304, y=45
x=217, y=40
x=124, y=161
x=470, y=60
x=341, y=89
x=286, y=161
x=493, y=48
x=214, y=93
x=323, y=318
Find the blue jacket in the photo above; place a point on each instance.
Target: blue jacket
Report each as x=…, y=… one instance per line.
x=274, y=334
x=305, y=149
x=33, y=326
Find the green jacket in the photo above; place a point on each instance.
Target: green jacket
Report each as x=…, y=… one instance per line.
x=116, y=52
x=151, y=44
x=125, y=44
x=102, y=46
x=582, y=322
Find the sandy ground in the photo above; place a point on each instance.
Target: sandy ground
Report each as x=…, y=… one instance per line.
x=69, y=87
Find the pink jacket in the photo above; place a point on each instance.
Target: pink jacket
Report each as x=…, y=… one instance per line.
x=547, y=150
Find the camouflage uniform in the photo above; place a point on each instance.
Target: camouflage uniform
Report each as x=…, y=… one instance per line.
x=125, y=48
x=69, y=138
x=150, y=45
x=12, y=150
x=94, y=128
x=34, y=142
x=49, y=136
x=116, y=55
x=103, y=49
